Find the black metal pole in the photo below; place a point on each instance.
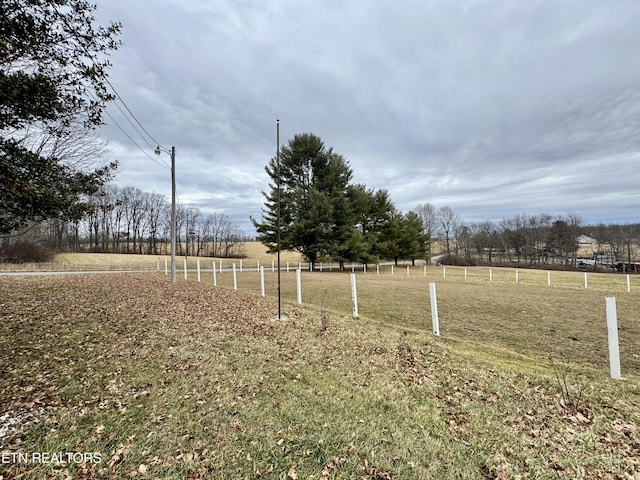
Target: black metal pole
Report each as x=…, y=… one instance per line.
x=278, y=219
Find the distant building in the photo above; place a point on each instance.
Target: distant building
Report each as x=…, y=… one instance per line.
x=586, y=240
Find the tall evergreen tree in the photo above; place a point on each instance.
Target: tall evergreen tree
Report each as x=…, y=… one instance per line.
x=313, y=183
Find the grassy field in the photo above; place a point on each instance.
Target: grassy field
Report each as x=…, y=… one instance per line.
x=155, y=380
x=564, y=321
x=253, y=251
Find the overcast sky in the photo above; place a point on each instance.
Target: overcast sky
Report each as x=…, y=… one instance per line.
x=492, y=107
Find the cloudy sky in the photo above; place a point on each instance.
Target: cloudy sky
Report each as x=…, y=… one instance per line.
x=492, y=107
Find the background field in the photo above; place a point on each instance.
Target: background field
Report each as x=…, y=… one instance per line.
x=113, y=261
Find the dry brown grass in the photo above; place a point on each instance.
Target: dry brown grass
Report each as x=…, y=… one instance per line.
x=252, y=252
x=184, y=380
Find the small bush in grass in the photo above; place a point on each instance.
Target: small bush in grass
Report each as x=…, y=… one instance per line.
x=25, y=251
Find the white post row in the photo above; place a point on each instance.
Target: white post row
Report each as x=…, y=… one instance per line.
x=354, y=295
x=434, y=309
x=262, y=281
x=612, y=329
x=215, y=280
x=298, y=286
x=198, y=268
x=235, y=277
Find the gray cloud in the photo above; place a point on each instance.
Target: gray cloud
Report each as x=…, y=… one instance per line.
x=493, y=108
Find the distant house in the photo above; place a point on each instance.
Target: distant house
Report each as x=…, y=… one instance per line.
x=586, y=240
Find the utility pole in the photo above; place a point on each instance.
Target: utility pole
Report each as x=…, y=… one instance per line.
x=157, y=151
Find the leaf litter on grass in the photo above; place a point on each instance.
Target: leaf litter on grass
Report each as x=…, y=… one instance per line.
x=190, y=381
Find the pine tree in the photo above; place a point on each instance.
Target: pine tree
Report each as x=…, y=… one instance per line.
x=313, y=212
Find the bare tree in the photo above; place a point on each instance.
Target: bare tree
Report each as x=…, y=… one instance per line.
x=448, y=223
x=429, y=217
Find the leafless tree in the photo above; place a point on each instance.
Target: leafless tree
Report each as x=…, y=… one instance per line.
x=448, y=223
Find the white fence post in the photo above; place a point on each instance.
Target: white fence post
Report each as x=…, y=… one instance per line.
x=287, y=266
x=364, y=268
x=628, y=283
x=425, y=270
x=215, y=280
x=548, y=279
x=166, y=266
x=585, y=280
x=612, y=328
x=158, y=263
x=444, y=272
x=198, y=268
x=407, y=270
x=377, y=269
x=354, y=295
x=262, y=281
x=220, y=265
x=465, y=273
x=235, y=277
x=516, y=275
x=391, y=269
x=185, y=268
x=257, y=264
x=434, y=309
x=298, y=286
x=490, y=275
x=241, y=265
x=273, y=265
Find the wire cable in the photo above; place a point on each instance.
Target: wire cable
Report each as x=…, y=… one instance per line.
x=162, y=165
x=130, y=112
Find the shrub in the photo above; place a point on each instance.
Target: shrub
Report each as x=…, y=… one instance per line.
x=457, y=260
x=25, y=251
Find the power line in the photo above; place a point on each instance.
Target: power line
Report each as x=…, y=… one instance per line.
x=151, y=147
x=163, y=165
x=119, y=97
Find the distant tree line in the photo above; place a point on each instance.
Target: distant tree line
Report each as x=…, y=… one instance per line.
x=313, y=208
x=530, y=239
x=130, y=220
